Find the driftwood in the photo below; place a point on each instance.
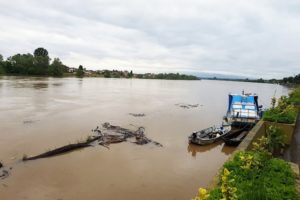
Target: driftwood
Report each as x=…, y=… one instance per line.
x=109, y=135
x=63, y=149
x=187, y=106
x=137, y=114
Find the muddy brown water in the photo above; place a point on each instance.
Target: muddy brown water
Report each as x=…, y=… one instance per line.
x=37, y=114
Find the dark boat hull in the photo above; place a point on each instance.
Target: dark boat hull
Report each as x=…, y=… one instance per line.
x=202, y=137
x=235, y=137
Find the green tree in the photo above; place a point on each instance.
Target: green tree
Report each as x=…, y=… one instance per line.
x=80, y=71
x=41, y=61
x=130, y=74
x=107, y=74
x=40, y=52
x=1, y=65
x=56, y=68
x=20, y=64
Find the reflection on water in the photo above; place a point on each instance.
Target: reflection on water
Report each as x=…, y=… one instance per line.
x=194, y=149
x=40, y=85
x=43, y=113
x=57, y=84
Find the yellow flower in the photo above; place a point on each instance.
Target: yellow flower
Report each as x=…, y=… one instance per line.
x=226, y=172
x=234, y=189
x=242, y=158
x=202, y=191
x=223, y=189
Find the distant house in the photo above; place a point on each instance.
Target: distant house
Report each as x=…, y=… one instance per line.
x=88, y=72
x=72, y=70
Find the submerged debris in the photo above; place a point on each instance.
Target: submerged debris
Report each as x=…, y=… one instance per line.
x=109, y=135
x=4, y=173
x=137, y=114
x=187, y=106
x=29, y=121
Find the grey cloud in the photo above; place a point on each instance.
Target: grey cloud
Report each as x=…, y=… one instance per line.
x=256, y=38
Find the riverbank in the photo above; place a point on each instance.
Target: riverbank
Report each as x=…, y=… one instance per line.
x=256, y=169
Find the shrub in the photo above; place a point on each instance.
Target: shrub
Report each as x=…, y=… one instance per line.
x=254, y=175
x=287, y=115
x=294, y=97
x=275, y=139
x=282, y=113
x=258, y=176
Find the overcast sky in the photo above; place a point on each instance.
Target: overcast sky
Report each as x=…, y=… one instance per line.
x=251, y=38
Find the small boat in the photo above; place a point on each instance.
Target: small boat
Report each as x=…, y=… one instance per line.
x=235, y=136
x=209, y=135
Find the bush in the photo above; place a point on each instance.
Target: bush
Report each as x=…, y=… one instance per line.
x=294, y=97
x=287, y=115
x=276, y=139
x=284, y=112
x=254, y=175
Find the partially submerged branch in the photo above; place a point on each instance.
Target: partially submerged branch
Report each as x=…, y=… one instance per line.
x=63, y=149
x=109, y=135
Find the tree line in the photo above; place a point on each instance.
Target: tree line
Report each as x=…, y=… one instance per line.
x=291, y=80
x=168, y=76
x=38, y=63
x=285, y=80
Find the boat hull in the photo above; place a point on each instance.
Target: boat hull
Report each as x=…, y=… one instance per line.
x=209, y=135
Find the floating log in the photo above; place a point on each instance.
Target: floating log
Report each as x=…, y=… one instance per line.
x=63, y=149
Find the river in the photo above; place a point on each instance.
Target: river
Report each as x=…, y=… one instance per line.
x=37, y=114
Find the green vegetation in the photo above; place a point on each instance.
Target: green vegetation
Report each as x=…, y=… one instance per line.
x=291, y=80
x=126, y=74
x=282, y=113
x=28, y=64
x=56, y=68
x=286, y=81
x=38, y=64
x=80, y=71
x=254, y=175
x=1, y=65
x=170, y=76
x=294, y=97
x=275, y=139
x=287, y=115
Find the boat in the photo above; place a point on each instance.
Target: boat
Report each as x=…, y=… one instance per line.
x=209, y=135
x=235, y=136
x=243, y=109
